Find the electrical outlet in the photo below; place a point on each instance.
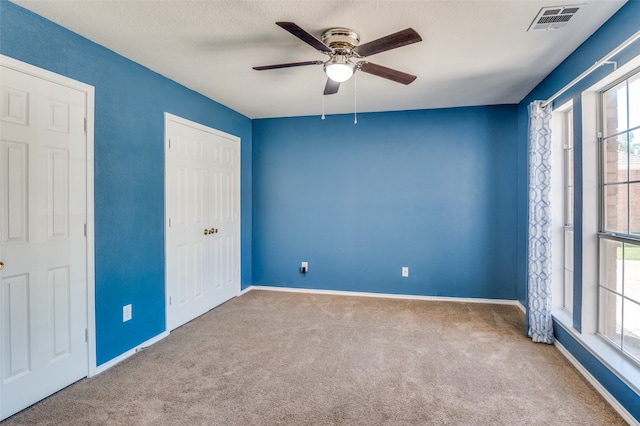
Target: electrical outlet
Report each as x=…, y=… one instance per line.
x=126, y=313
x=405, y=271
x=304, y=267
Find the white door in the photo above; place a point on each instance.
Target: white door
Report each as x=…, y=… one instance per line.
x=203, y=219
x=43, y=295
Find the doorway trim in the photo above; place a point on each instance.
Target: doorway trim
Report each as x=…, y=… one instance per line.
x=180, y=120
x=89, y=92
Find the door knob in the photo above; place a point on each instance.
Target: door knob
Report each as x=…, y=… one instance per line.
x=1, y=265
x=206, y=232
x=213, y=230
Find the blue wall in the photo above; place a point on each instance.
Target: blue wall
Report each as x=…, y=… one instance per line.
x=616, y=30
x=434, y=190
x=130, y=102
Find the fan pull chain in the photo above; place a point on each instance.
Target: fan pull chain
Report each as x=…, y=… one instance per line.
x=355, y=98
x=322, y=91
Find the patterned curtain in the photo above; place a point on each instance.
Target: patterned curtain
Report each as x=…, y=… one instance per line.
x=539, y=325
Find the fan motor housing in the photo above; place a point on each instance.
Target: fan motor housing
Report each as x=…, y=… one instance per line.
x=341, y=39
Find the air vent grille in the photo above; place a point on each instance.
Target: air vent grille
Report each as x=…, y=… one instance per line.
x=554, y=18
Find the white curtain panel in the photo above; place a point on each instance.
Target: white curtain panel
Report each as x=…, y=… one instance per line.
x=539, y=323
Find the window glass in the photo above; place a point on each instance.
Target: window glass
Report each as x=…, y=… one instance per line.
x=615, y=110
x=611, y=263
x=611, y=316
x=569, y=166
x=616, y=212
x=615, y=159
x=631, y=333
x=632, y=272
x=634, y=155
x=569, y=207
x=568, y=253
x=568, y=269
x=634, y=101
x=634, y=208
x=568, y=194
x=568, y=291
x=569, y=129
x=634, y=178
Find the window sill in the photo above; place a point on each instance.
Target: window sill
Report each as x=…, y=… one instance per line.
x=619, y=364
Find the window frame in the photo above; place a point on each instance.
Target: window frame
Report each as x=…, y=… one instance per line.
x=581, y=326
x=568, y=211
x=604, y=235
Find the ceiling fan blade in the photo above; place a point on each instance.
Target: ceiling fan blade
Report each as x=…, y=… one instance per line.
x=392, y=41
x=305, y=36
x=289, y=65
x=331, y=87
x=388, y=73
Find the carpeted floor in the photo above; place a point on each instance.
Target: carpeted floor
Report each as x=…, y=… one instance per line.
x=269, y=358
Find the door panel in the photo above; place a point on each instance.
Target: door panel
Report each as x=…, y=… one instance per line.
x=57, y=193
x=59, y=298
x=188, y=297
x=17, y=330
x=225, y=206
x=201, y=198
x=14, y=226
x=44, y=282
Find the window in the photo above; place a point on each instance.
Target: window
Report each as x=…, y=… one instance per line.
x=619, y=236
x=567, y=213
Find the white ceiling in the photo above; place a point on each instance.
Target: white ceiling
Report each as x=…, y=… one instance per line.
x=473, y=52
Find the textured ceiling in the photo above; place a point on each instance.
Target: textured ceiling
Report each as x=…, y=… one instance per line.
x=473, y=52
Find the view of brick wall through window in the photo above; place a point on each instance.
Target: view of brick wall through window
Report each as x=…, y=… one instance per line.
x=619, y=259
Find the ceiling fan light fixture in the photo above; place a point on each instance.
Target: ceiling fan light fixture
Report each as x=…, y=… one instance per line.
x=339, y=69
x=343, y=47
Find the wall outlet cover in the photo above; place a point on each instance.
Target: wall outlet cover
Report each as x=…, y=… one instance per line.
x=126, y=313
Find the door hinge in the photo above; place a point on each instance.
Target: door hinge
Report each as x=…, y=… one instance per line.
x=169, y=300
x=85, y=229
x=86, y=334
x=169, y=222
x=85, y=124
x=169, y=143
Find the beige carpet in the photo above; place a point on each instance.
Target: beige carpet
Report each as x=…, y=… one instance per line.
x=297, y=359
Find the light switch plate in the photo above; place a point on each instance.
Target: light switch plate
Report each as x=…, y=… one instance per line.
x=126, y=313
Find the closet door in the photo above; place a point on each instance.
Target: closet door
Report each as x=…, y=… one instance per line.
x=202, y=209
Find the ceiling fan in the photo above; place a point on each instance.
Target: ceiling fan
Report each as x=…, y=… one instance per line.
x=343, y=47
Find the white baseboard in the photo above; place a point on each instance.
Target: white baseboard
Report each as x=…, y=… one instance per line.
x=246, y=290
x=120, y=358
x=385, y=295
x=596, y=384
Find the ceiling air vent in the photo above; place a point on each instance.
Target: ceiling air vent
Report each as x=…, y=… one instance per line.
x=554, y=18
